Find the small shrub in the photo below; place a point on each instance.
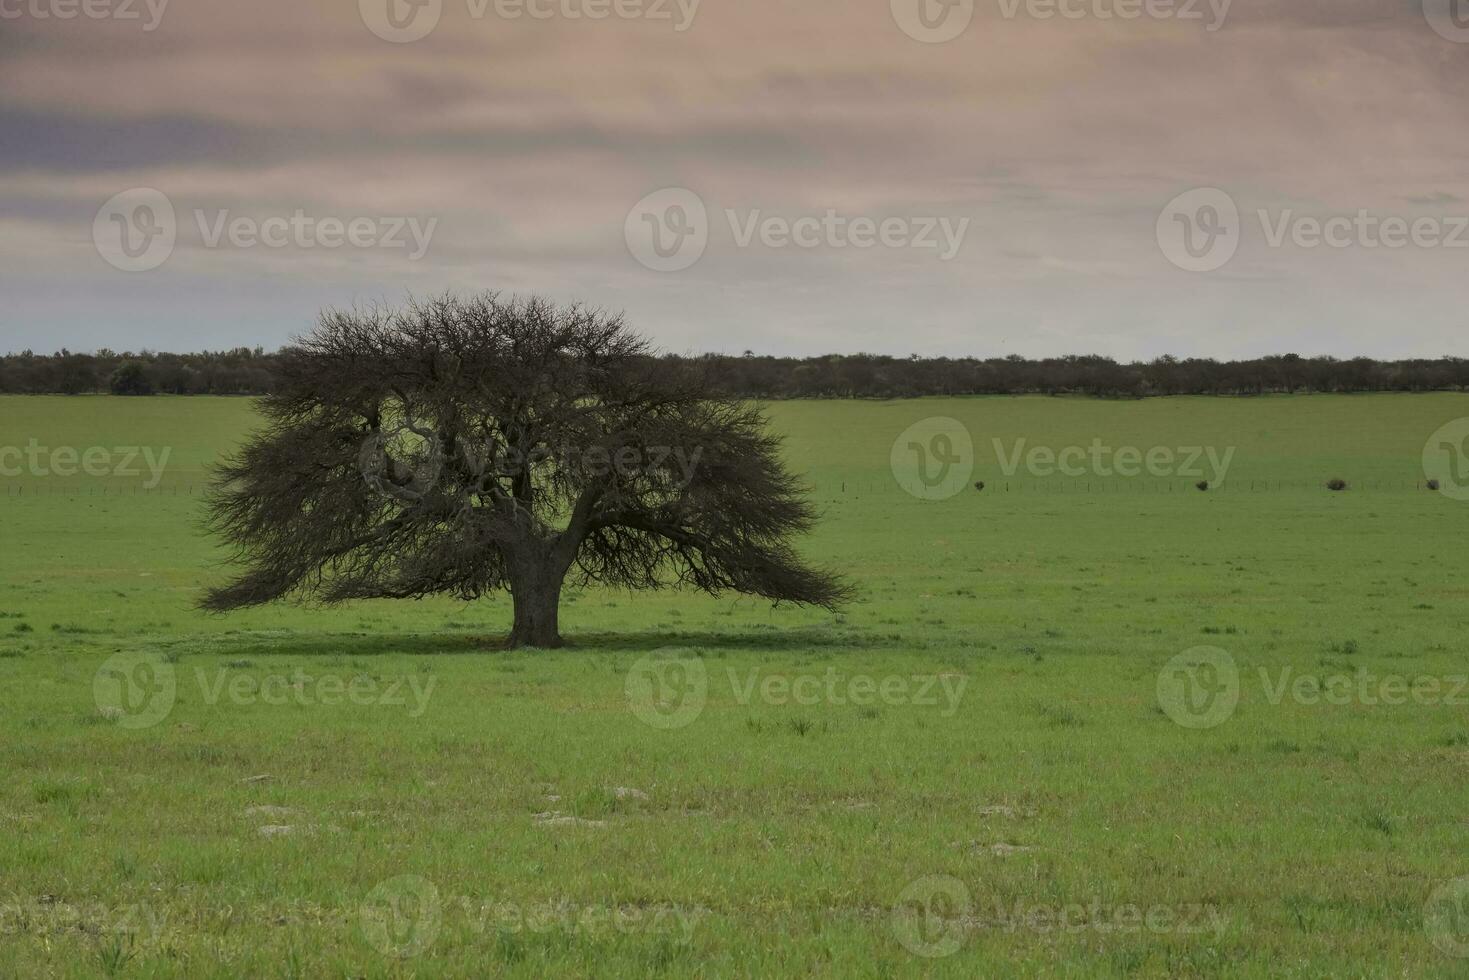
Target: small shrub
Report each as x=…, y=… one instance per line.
x=1378, y=821
x=1433, y=484
x=1202, y=485
x=979, y=485
x=1336, y=484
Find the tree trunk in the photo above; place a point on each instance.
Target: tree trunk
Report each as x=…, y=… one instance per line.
x=535, y=586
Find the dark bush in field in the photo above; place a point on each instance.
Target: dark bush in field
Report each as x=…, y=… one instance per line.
x=1202, y=485
x=979, y=485
x=1337, y=484
x=1433, y=484
x=131, y=378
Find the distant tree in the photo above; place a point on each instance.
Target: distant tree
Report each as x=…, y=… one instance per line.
x=465, y=446
x=131, y=378
x=76, y=374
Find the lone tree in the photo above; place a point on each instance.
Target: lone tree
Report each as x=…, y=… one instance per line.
x=468, y=445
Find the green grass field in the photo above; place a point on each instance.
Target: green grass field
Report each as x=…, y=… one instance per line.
x=1008, y=758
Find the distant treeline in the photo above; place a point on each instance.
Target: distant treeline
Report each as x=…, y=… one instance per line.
x=244, y=371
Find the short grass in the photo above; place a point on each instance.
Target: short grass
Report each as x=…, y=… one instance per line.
x=377, y=791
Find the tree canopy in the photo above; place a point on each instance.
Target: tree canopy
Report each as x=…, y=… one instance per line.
x=469, y=445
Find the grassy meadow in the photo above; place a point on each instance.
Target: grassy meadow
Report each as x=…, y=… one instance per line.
x=1076, y=725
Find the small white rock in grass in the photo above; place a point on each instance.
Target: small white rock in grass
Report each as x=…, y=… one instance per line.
x=268, y=811
x=257, y=779
x=563, y=820
x=277, y=830
x=1000, y=849
x=628, y=793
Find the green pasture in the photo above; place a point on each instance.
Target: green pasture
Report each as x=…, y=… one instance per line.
x=1077, y=724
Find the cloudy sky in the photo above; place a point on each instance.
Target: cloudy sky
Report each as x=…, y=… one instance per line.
x=1127, y=177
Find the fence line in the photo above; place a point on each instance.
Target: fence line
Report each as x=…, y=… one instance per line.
x=837, y=488
x=1135, y=486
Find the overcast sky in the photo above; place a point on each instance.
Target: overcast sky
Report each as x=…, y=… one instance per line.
x=974, y=176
